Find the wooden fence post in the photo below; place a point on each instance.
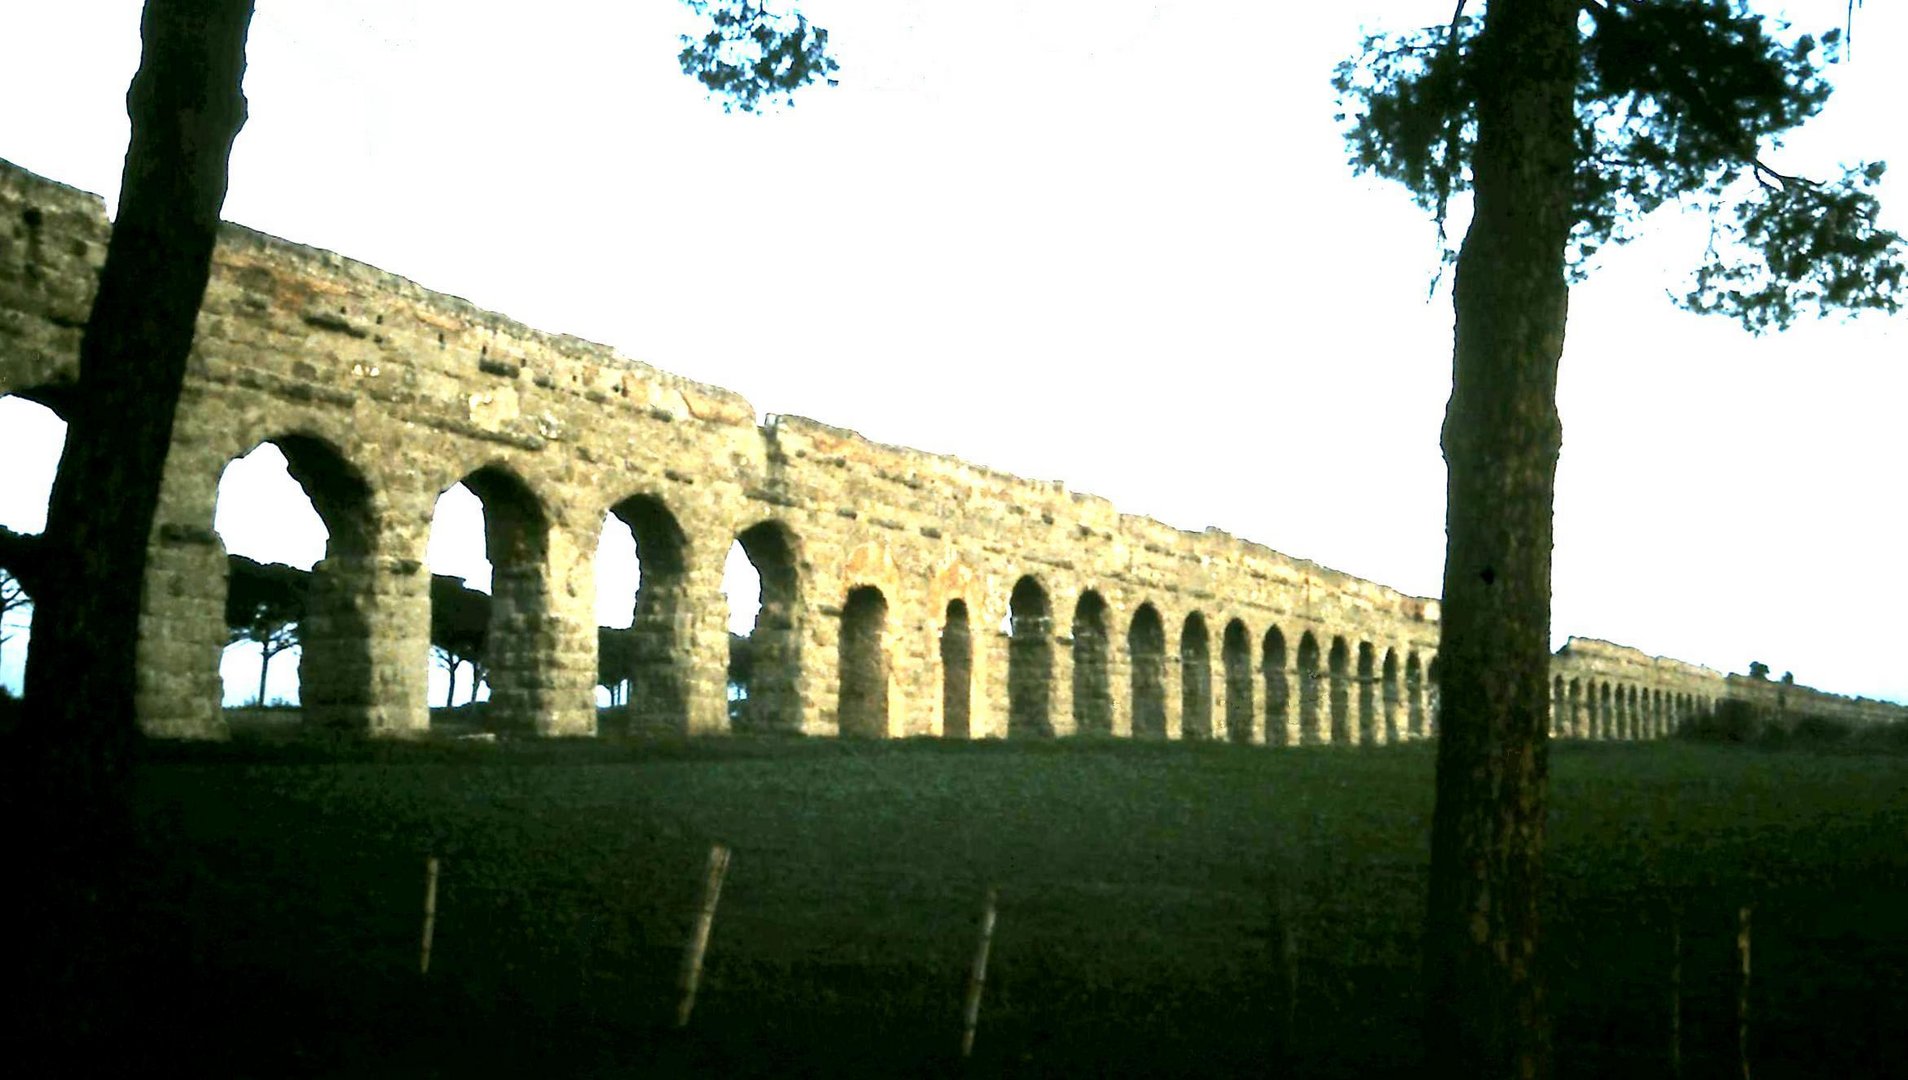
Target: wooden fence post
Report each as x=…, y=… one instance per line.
x=430, y=915
x=977, y=978
x=699, y=937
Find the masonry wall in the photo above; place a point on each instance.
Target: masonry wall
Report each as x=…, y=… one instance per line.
x=383, y=394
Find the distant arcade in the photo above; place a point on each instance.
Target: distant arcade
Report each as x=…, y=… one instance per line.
x=903, y=593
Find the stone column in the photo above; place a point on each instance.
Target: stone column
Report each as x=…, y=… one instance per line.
x=1390, y=729
x=1119, y=679
x=1060, y=687
x=1371, y=730
x=367, y=625
x=182, y=632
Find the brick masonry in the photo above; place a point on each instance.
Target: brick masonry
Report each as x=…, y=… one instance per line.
x=904, y=593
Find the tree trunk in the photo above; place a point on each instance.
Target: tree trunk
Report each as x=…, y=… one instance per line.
x=264, y=666
x=1485, y=1002
x=186, y=107
x=450, y=694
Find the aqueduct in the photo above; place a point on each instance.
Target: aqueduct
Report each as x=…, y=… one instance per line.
x=903, y=593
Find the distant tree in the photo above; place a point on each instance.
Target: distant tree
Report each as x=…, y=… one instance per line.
x=741, y=670
x=615, y=661
x=460, y=630
x=264, y=603
x=13, y=597
x=1758, y=669
x=753, y=54
x=1568, y=120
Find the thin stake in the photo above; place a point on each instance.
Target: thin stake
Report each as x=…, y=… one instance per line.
x=699, y=938
x=977, y=978
x=1742, y=991
x=430, y=915
x=1676, y=996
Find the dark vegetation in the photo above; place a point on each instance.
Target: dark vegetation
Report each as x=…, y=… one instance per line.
x=1139, y=931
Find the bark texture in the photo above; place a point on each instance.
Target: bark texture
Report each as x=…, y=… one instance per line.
x=1486, y=1010
x=186, y=107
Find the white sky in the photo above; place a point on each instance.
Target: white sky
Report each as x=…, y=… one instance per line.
x=1114, y=243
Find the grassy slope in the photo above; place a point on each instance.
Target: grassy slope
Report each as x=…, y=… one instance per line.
x=1137, y=919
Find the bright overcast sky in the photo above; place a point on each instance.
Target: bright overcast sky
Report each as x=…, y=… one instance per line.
x=1109, y=242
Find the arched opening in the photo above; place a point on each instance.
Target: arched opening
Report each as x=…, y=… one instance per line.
x=1605, y=717
x=1146, y=655
x=1556, y=707
x=641, y=598
x=1433, y=705
x=1195, y=679
x=1309, y=677
x=1092, y=686
x=957, y=673
x=488, y=603
x=1414, y=696
x=1340, y=662
x=1277, y=690
x=1573, y=716
x=764, y=663
x=1236, y=651
x=32, y=438
x=1367, y=694
x=864, y=664
x=1661, y=728
x=297, y=527
x=1392, y=697
x=1030, y=661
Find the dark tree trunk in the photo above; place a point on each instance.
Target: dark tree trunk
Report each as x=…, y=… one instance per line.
x=1485, y=1002
x=264, y=667
x=186, y=107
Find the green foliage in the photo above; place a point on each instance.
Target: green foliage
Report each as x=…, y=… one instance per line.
x=751, y=56
x=264, y=602
x=1675, y=102
x=460, y=629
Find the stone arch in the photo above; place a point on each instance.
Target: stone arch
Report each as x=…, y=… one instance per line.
x=1277, y=689
x=1414, y=696
x=1368, y=732
x=1604, y=715
x=1633, y=716
x=517, y=658
x=1235, y=651
x=1309, y=677
x=772, y=678
x=337, y=688
x=1573, y=716
x=1195, y=678
x=1030, y=660
x=1339, y=663
x=652, y=653
x=957, y=672
x=1433, y=706
x=1391, y=696
x=1092, y=681
x=1146, y=654
x=863, y=698
x=1662, y=713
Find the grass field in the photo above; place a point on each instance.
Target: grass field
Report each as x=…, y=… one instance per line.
x=1142, y=893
